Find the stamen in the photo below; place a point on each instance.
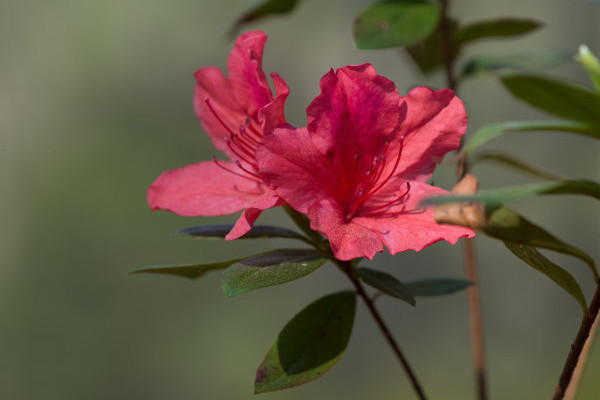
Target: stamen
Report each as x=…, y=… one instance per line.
x=397, y=201
x=241, y=157
x=373, y=183
x=243, y=146
x=243, y=133
x=218, y=164
x=395, y=166
x=251, y=128
x=212, y=110
x=240, y=166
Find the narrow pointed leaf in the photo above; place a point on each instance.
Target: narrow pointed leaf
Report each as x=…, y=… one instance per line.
x=386, y=283
x=496, y=197
x=264, y=9
x=562, y=278
x=556, y=97
x=272, y=268
x=395, y=23
x=191, y=271
x=515, y=163
x=507, y=225
x=498, y=28
x=437, y=287
x=487, y=64
x=309, y=345
x=221, y=230
x=492, y=131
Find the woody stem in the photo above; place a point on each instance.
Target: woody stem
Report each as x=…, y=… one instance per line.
x=578, y=345
x=346, y=267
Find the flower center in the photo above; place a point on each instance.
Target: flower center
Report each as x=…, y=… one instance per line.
x=367, y=185
x=242, y=144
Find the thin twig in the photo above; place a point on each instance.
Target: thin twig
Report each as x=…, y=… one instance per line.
x=573, y=387
x=577, y=346
x=470, y=261
x=346, y=268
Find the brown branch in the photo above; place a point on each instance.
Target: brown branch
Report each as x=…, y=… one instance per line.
x=573, y=387
x=346, y=268
x=577, y=346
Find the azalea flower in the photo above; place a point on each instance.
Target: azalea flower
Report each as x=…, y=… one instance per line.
x=234, y=111
x=358, y=170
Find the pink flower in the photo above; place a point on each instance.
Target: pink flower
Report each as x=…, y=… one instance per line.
x=359, y=169
x=234, y=112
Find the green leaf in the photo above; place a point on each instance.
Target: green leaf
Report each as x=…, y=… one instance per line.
x=496, y=197
x=191, y=271
x=386, y=283
x=264, y=9
x=268, y=269
x=562, y=278
x=591, y=64
x=221, y=230
x=395, y=23
x=437, y=287
x=505, y=224
x=492, y=131
x=486, y=64
x=429, y=54
x=498, y=28
x=309, y=345
x=513, y=162
x=555, y=97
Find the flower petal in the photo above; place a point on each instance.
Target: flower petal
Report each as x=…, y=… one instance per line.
x=272, y=115
x=249, y=216
x=290, y=164
x=434, y=124
x=355, y=112
x=347, y=240
x=414, y=229
x=249, y=83
x=203, y=189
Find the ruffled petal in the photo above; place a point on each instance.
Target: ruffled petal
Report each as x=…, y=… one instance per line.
x=354, y=114
x=249, y=83
x=433, y=125
x=203, y=189
x=290, y=164
x=414, y=228
x=272, y=115
x=347, y=240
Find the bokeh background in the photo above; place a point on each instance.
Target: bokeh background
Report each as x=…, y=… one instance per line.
x=95, y=102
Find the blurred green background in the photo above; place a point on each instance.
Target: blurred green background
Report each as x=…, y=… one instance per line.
x=95, y=102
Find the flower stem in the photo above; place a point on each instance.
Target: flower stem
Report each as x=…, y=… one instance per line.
x=470, y=261
x=320, y=244
x=347, y=269
x=578, y=345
